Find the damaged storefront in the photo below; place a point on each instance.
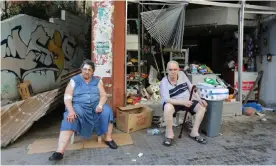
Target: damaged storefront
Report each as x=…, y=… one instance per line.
x=131, y=51
x=205, y=39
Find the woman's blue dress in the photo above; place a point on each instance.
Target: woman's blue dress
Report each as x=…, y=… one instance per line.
x=85, y=100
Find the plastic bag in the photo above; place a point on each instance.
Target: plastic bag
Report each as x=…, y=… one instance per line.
x=153, y=75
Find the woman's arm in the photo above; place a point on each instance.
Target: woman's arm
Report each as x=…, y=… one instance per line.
x=68, y=96
x=103, y=95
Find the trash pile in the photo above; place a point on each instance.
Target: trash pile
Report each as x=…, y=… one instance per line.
x=138, y=93
x=253, y=108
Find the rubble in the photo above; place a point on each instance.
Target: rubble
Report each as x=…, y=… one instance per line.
x=18, y=117
x=136, y=94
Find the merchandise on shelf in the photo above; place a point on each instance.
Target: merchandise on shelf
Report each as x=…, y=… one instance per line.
x=199, y=68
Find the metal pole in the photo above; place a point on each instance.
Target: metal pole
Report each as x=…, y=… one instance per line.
x=139, y=42
x=220, y=4
x=240, y=55
x=142, y=32
x=183, y=24
x=126, y=5
x=161, y=4
x=259, y=12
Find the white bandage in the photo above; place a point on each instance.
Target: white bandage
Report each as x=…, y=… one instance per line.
x=67, y=97
x=72, y=83
x=101, y=81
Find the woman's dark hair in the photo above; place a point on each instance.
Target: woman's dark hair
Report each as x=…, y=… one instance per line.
x=88, y=62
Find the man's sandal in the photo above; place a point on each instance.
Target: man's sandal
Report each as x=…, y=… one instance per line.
x=199, y=139
x=167, y=142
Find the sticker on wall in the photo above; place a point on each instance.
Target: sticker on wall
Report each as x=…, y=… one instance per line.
x=103, y=31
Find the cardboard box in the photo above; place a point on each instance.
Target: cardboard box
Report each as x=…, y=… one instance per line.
x=133, y=118
x=25, y=89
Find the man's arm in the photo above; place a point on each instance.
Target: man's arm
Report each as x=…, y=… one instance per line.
x=165, y=96
x=103, y=95
x=68, y=96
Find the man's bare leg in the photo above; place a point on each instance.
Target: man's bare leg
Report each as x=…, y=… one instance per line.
x=168, y=118
x=64, y=138
x=200, y=111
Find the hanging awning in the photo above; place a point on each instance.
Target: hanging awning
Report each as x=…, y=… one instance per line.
x=166, y=26
x=221, y=4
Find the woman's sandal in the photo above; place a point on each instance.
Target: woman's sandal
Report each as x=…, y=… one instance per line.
x=167, y=142
x=199, y=139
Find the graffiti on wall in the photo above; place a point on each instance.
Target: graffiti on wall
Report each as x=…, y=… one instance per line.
x=5, y=88
x=40, y=53
x=103, y=30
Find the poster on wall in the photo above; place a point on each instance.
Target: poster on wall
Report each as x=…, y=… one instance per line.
x=103, y=30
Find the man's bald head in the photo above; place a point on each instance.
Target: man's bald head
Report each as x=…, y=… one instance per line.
x=174, y=63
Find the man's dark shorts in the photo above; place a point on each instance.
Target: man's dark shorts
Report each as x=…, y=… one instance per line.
x=184, y=108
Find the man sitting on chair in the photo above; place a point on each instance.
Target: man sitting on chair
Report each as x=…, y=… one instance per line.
x=85, y=99
x=175, y=89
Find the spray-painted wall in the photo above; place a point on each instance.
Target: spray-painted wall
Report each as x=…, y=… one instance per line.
x=36, y=50
x=268, y=85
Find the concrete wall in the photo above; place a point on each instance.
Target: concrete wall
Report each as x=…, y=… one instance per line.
x=206, y=15
x=233, y=18
x=216, y=15
x=36, y=50
x=268, y=86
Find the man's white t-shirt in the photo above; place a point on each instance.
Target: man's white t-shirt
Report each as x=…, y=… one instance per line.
x=178, y=91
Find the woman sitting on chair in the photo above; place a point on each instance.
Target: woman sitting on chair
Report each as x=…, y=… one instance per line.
x=85, y=99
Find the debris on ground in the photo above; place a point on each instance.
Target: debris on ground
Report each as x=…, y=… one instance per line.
x=264, y=119
x=140, y=154
x=267, y=109
x=261, y=115
x=251, y=108
x=18, y=117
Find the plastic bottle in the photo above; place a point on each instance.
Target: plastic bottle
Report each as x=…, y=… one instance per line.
x=155, y=131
